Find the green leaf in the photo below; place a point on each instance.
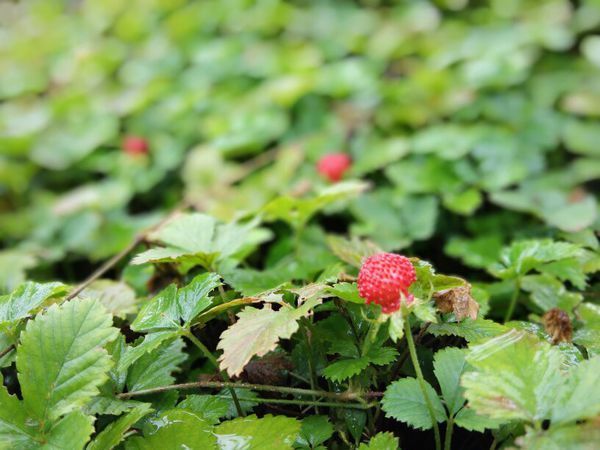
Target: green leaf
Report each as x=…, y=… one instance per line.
x=472, y=330
x=516, y=376
x=246, y=398
x=72, y=431
x=257, y=332
x=15, y=430
x=316, y=430
x=110, y=406
x=346, y=291
x=579, y=397
x=26, y=298
x=151, y=342
x=116, y=296
x=381, y=441
x=252, y=433
x=404, y=401
x=211, y=408
x=468, y=419
x=574, y=437
x=547, y=293
x=351, y=251
x=346, y=368
x=175, y=428
x=155, y=368
x=448, y=366
x=61, y=362
x=172, y=306
x=396, y=326
x=115, y=432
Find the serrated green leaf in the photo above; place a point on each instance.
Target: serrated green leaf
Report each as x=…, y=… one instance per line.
x=547, y=292
x=174, y=308
x=61, y=362
x=155, y=369
x=316, y=430
x=252, y=433
x=150, y=343
x=472, y=330
x=175, y=428
x=257, y=332
x=448, y=365
x=209, y=407
x=115, y=432
x=516, y=377
x=381, y=356
x=246, y=398
x=579, y=397
x=468, y=419
x=381, y=441
x=15, y=431
x=574, y=437
x=112, y=406
x=345, y=368
x=346, y=291
x=73, y=431
x=404, y=401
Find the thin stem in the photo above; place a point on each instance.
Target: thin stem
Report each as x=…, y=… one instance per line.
x=214, y=361
x=340, y=396
x=494, y=443
x=311, y=371
x=421, y=379
x=448, y=437
x=306, y=402
x=7, y=350
x=371, y=336
x=513, y=301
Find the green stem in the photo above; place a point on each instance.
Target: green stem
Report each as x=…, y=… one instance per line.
x=421, y=379
x=448, y=437
x=513, y=301
x=371, y=336
x=311, y=371
x=215, y=363
x=7, y=350
x=306, y=402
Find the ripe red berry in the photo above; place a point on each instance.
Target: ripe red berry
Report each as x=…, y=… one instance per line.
x=383, y=278
x=334, y=165
x=135, y=145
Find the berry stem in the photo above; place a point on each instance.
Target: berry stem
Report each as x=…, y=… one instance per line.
x=421, y=379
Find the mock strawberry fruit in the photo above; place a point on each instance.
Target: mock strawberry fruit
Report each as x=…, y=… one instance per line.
x=135, y=145
x=384, y=278
x=334, y=165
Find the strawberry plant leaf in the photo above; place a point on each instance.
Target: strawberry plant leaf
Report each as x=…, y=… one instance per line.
x=404, y=401
x=346, y=291
x=573, y=437
x=468, y=419
x=472, y=330
x=257, y=332
x=115, y=432
x=381, y=441
x=175, y=428
x=155, y=368
x=267, y=433
x=345, y=368
x=448, y=365
x=315, y=430
x=116, y=296
x=61, y=361
x=15, y=429
x=211, y=408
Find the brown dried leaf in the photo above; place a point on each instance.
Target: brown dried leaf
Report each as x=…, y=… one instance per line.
x=457, y=300
x=558, y=325
x=270, y=369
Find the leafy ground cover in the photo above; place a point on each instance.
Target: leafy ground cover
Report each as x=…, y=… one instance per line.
x=190, y=190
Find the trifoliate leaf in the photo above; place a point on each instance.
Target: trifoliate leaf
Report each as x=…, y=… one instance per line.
x=448, y=366
x=516, y=376
x=210, y=407
x=175, y=428
x=251, y=433
x=316, y=430
x=404, y=401
x=155, y=369
x=173, y=307
x=61, y=362
x=114, y=433
x=381, y=441
x=257, y=332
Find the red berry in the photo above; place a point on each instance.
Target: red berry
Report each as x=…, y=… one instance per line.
x=135, y=145
x=383, y=278
x=334, y=165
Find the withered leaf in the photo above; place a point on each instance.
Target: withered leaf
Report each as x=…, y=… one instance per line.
x=457, y=300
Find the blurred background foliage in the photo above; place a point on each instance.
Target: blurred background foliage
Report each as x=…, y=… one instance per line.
x=475, y=122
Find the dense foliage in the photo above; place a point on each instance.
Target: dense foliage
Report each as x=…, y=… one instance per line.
x=180, y=143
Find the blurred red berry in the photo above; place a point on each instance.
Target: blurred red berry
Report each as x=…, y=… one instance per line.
x=135, y=145
x=383, y=278
x=334, y=165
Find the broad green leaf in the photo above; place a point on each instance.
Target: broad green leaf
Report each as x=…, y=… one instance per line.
x=116, y=296
x=381, y=441
x=472, y=330
x=573, y=437
x=26, y=298
x=346, y=291
x=246, y=397
x=15, y=431
x=257, y=332
x=73, y=431
x=150, y=343
x=155, y=368
x=404, y=401
x=61, y=362
x=316, y=430
x=211, y=408
x=175, y=428
x=468, y=419
x=252, y=433
x=173, y=308
x=112, y=406
x=346, y=368
x=115, y=432
x=448, y=365
x=547, y=293
x=579, y=397
x=516, y=376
